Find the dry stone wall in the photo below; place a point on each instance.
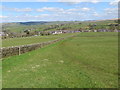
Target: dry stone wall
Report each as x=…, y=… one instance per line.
x=17, y=50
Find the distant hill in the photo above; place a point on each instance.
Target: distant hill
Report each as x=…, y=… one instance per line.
x=33, y=23
x=53, y=25
x=54, y=22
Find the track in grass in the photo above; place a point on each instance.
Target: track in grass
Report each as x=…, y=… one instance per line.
x=77, y=62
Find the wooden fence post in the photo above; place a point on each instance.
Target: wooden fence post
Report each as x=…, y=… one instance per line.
x=19, y=50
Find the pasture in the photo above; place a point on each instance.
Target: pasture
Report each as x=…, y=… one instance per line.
x=31, y=40
x=71, y=25
x=89, y=60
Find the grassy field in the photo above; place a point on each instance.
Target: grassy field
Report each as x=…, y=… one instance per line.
x=31, y=40
x=89, y=60
x=17, y=27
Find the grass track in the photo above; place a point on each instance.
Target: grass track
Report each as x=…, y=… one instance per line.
x=77, y=62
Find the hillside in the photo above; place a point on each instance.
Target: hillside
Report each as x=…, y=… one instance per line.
x=89, y=60
x=53, y=25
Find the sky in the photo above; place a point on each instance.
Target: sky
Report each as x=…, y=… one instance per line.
x=44, y=10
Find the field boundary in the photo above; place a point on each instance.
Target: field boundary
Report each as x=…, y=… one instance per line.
x=18, y=50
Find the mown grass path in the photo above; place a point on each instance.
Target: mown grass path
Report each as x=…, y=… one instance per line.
x=77, y=62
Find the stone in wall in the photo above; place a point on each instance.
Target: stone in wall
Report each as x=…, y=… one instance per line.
x=11, y=51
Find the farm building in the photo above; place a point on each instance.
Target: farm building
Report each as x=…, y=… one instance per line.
x=57, y=32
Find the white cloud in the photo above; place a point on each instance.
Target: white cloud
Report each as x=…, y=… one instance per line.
x=79, y=1
x=22, y=9
x=52, y=9
x=72, y=10
x=4, y=8
x=39, y=10
x=95, y=1
x=57, y=13
x=46, y=17
x=41, y=16
x=115, y=2
x=110, y=13
x=85, y=9
x=28, y=0
x=70, y=1
x=79, y=9
x=61, y=10
x=24, y=0
x=96, y=14
x=42, y=0
x=111, y=10
x=3, y=16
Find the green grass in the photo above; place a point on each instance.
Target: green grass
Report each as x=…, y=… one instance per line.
x=30, y=40
x=16, y=27
x=0, y=74
x=89, y=60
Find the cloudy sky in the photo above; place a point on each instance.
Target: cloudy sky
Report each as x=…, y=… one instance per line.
x=46, y=10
